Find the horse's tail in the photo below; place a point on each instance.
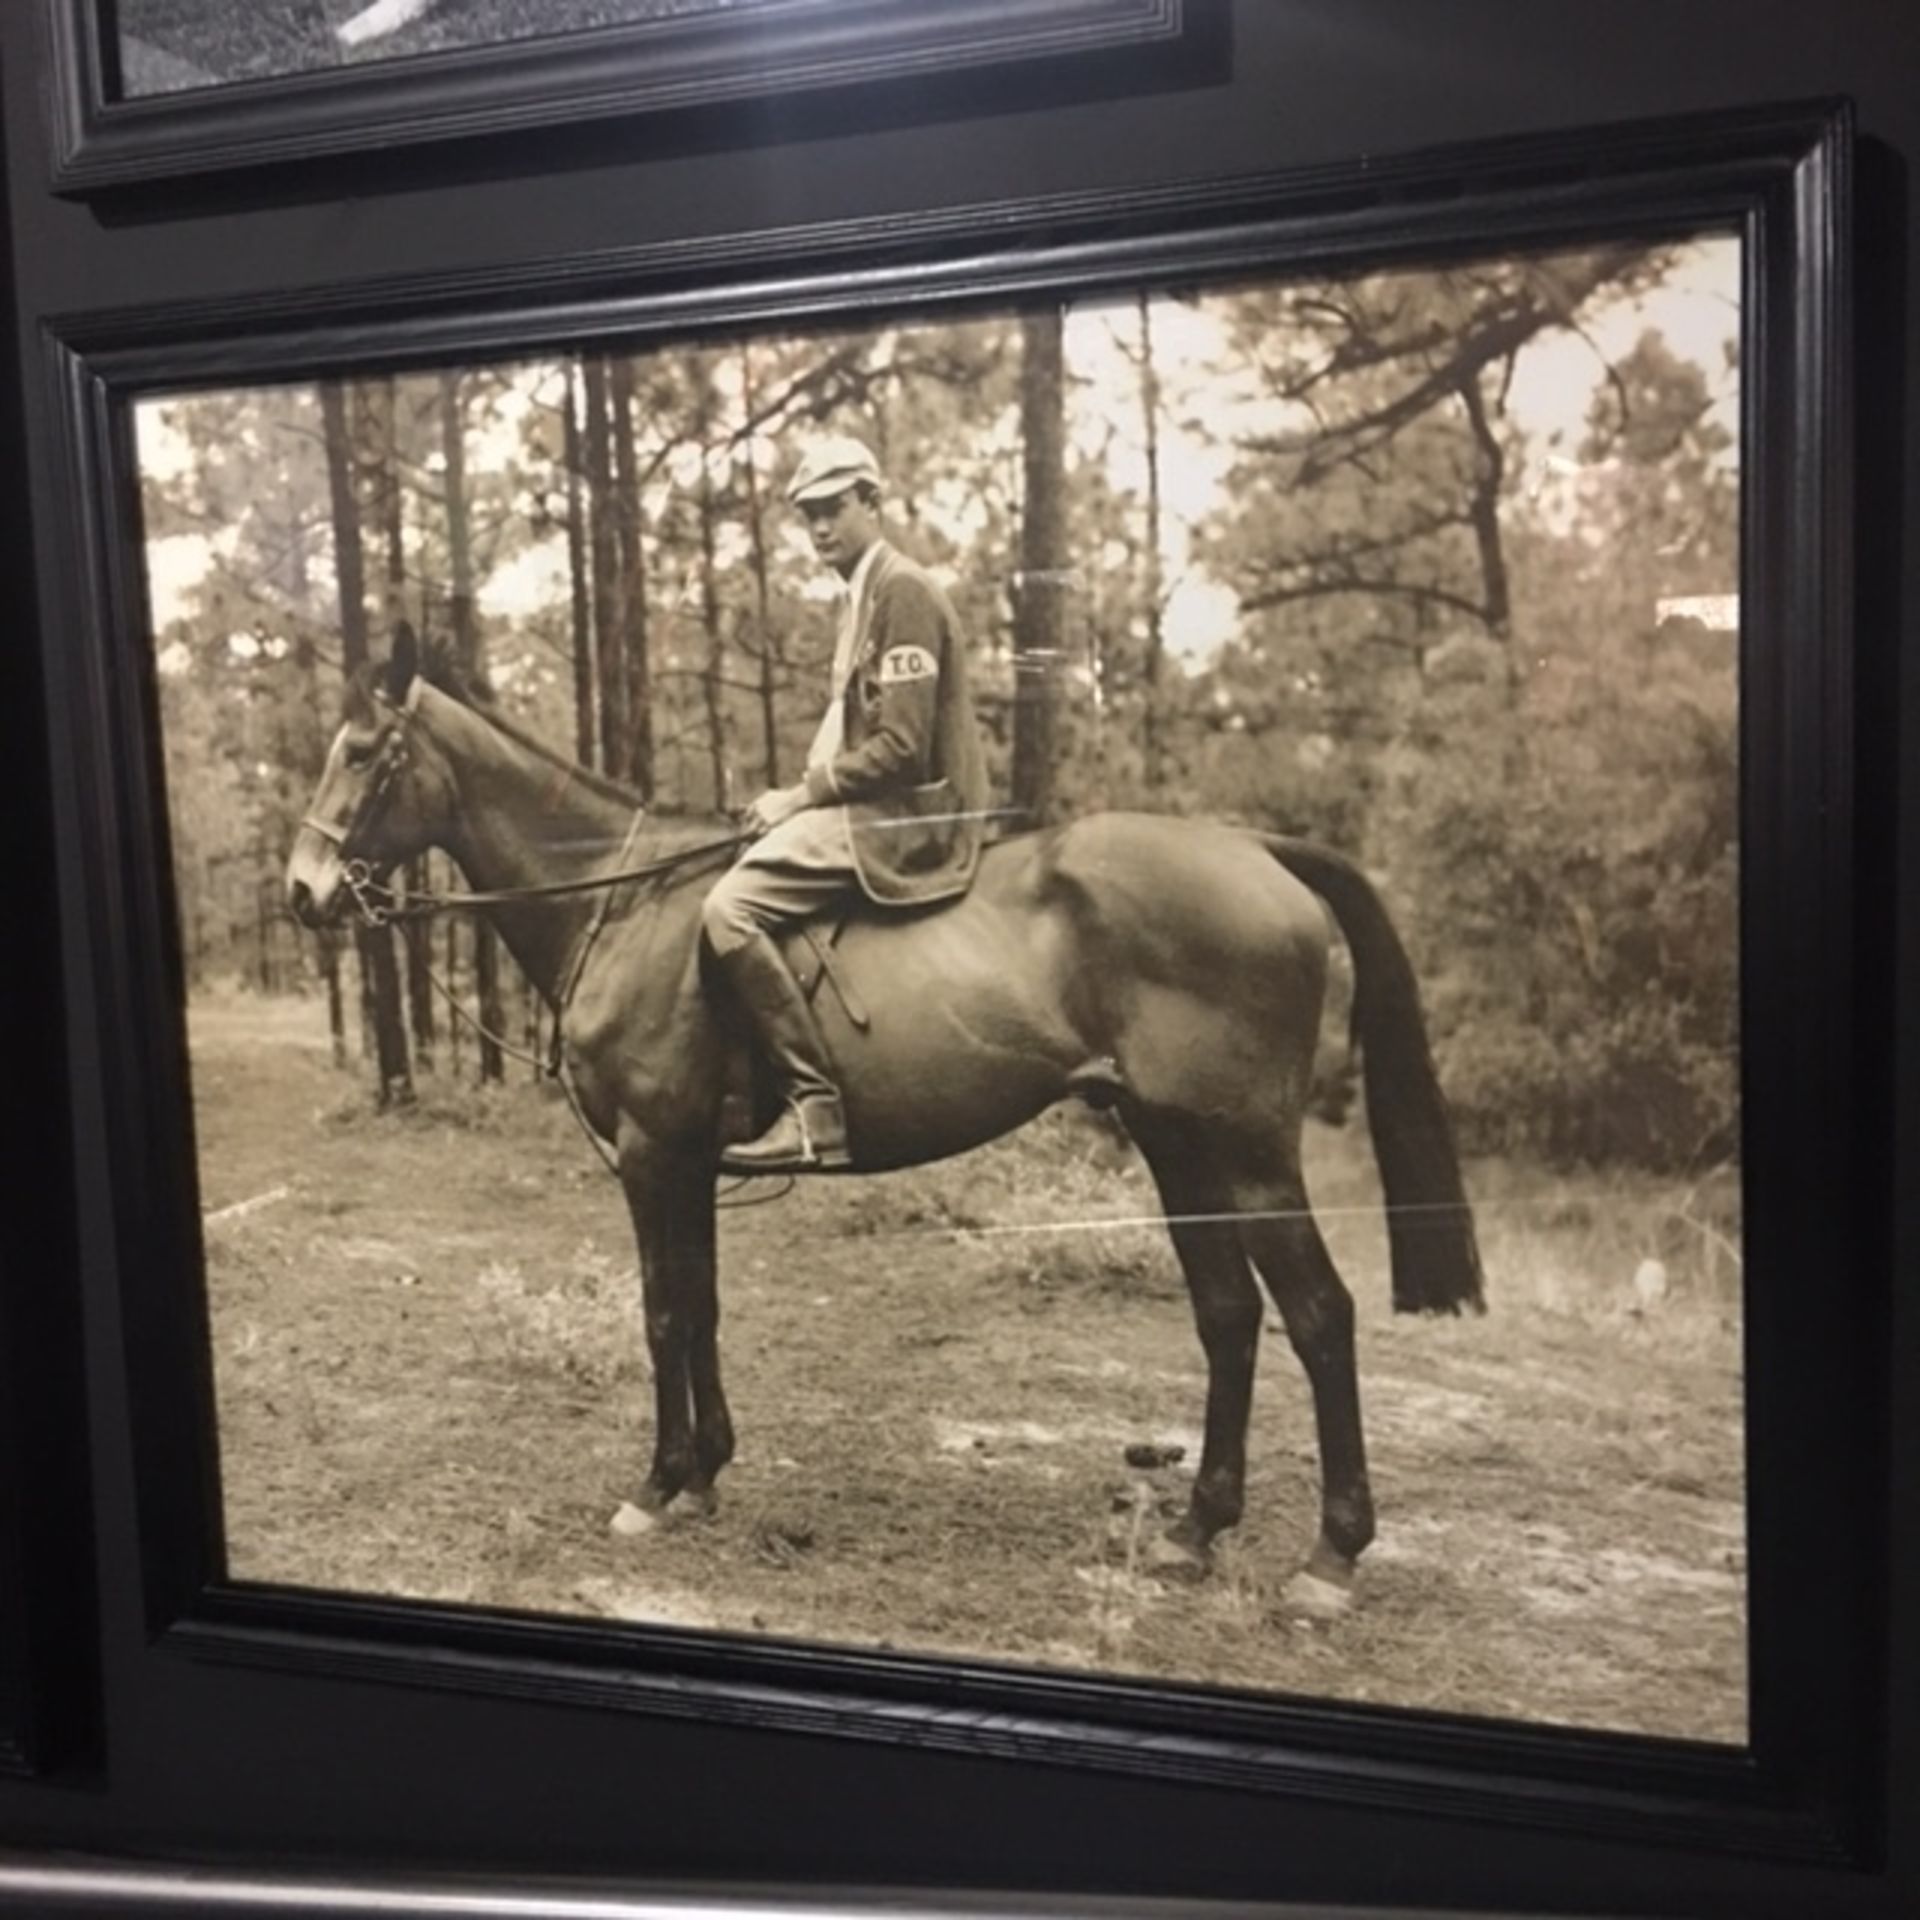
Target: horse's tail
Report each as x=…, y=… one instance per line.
x=1435, y=1257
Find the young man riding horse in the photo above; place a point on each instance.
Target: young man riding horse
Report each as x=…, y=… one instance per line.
x=1176, y=968
x=891, y=805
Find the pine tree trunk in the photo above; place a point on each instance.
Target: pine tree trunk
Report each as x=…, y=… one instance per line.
x=468, y=651
x=379, y=976
x=1152, y=721
x=713, y=680
x=577, y=576
x=604, y=553
x=1040, y=614
x=384, y=465
x=349, y=563
x=456, y=1028
x=420, y=1006
x=530, y=1023
x=336, y=1001
x=486, y=990
x=363, y=972
x=762, y=590
x=263, y=935
x=1484, y=512
x=638, y=767
x=390, y=1032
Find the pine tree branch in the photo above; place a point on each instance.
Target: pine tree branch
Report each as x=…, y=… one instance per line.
x=1547, y=301
x=1397, y=589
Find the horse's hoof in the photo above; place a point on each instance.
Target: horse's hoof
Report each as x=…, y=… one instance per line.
x=1312, y=1596
x=1174, y=1556
x=630, y=1522
x=694, y=1503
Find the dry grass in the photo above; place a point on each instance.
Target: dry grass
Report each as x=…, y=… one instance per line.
x=433, y=1381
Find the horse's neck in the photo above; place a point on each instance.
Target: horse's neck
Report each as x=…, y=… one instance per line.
x=523, y=821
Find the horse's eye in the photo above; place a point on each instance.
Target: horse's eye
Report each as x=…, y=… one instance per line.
x=360, y=755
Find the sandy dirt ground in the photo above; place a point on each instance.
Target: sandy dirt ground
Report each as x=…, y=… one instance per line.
x=432, y=1382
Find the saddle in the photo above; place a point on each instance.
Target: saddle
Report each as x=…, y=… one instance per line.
x=808, y=949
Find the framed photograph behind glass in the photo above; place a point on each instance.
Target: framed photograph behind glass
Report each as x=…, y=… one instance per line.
x=851, y=985
x=1436, y=566
x=162, y=90
x=175, y=46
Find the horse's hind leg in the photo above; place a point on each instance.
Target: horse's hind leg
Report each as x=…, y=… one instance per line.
x=1280, y=1235
x=1226, y=1310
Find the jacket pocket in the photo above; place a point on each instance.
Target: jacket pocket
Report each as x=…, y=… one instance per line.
x=916, y=832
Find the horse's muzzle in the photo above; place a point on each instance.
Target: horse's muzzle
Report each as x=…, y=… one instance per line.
x=303, y=905
x=315, y=882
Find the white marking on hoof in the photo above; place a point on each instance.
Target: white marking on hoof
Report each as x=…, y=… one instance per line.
x=1309, y=1597
x=630, y=1521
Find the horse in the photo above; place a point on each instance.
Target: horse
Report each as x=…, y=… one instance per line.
x=1173, y=970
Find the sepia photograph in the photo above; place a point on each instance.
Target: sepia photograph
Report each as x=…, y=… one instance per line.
x=1054, y=986
x=173, y=46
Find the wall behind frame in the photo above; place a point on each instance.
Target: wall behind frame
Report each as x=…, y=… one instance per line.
x=220, y=1763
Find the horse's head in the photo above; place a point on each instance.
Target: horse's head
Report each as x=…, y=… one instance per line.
x=385, y=793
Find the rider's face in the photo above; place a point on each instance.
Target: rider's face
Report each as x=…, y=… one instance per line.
x=842, y=529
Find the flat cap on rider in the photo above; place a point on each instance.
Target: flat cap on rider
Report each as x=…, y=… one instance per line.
x=829, y=467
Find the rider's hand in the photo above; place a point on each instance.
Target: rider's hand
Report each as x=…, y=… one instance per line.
x=774, y=806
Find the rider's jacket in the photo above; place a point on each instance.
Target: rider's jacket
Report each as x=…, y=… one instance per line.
x=909, y=770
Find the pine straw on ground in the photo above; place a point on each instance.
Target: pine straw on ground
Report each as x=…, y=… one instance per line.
x=432, y=1381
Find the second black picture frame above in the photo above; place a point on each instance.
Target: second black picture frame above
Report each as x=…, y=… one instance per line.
x=303, y=95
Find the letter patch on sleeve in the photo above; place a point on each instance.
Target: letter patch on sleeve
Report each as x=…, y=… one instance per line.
x=907, y=663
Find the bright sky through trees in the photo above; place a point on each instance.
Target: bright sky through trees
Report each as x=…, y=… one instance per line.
x=1205, y=406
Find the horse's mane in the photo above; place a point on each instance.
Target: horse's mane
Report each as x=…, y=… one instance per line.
x=601, y=783
x=437, y=666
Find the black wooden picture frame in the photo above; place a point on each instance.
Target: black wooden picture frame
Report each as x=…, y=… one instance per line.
x=21, y=1715
x=49, y=1681
x=47, y=1709
x=1814, y=942
x=49, y=1704
x=607, y=79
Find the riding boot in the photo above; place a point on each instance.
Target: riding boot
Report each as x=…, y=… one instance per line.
x=810, y=1134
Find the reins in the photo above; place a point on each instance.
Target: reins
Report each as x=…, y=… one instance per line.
x=552, y=1065
x=380, y=905
x=407, y=911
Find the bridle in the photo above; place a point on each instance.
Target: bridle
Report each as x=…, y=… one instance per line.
x=395, y=751
x=379, y=905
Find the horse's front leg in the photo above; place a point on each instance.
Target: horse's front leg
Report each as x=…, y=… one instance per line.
x=712, y=1421
x=670, y=1196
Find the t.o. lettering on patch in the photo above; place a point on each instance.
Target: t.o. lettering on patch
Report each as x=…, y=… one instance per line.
x=898, y=664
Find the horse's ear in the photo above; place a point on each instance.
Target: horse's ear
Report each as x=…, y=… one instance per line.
x=403, y=663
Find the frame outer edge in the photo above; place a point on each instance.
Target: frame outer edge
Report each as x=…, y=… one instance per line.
x=1818, y=315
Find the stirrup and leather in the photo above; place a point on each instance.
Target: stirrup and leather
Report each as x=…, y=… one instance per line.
x=810, y=1135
